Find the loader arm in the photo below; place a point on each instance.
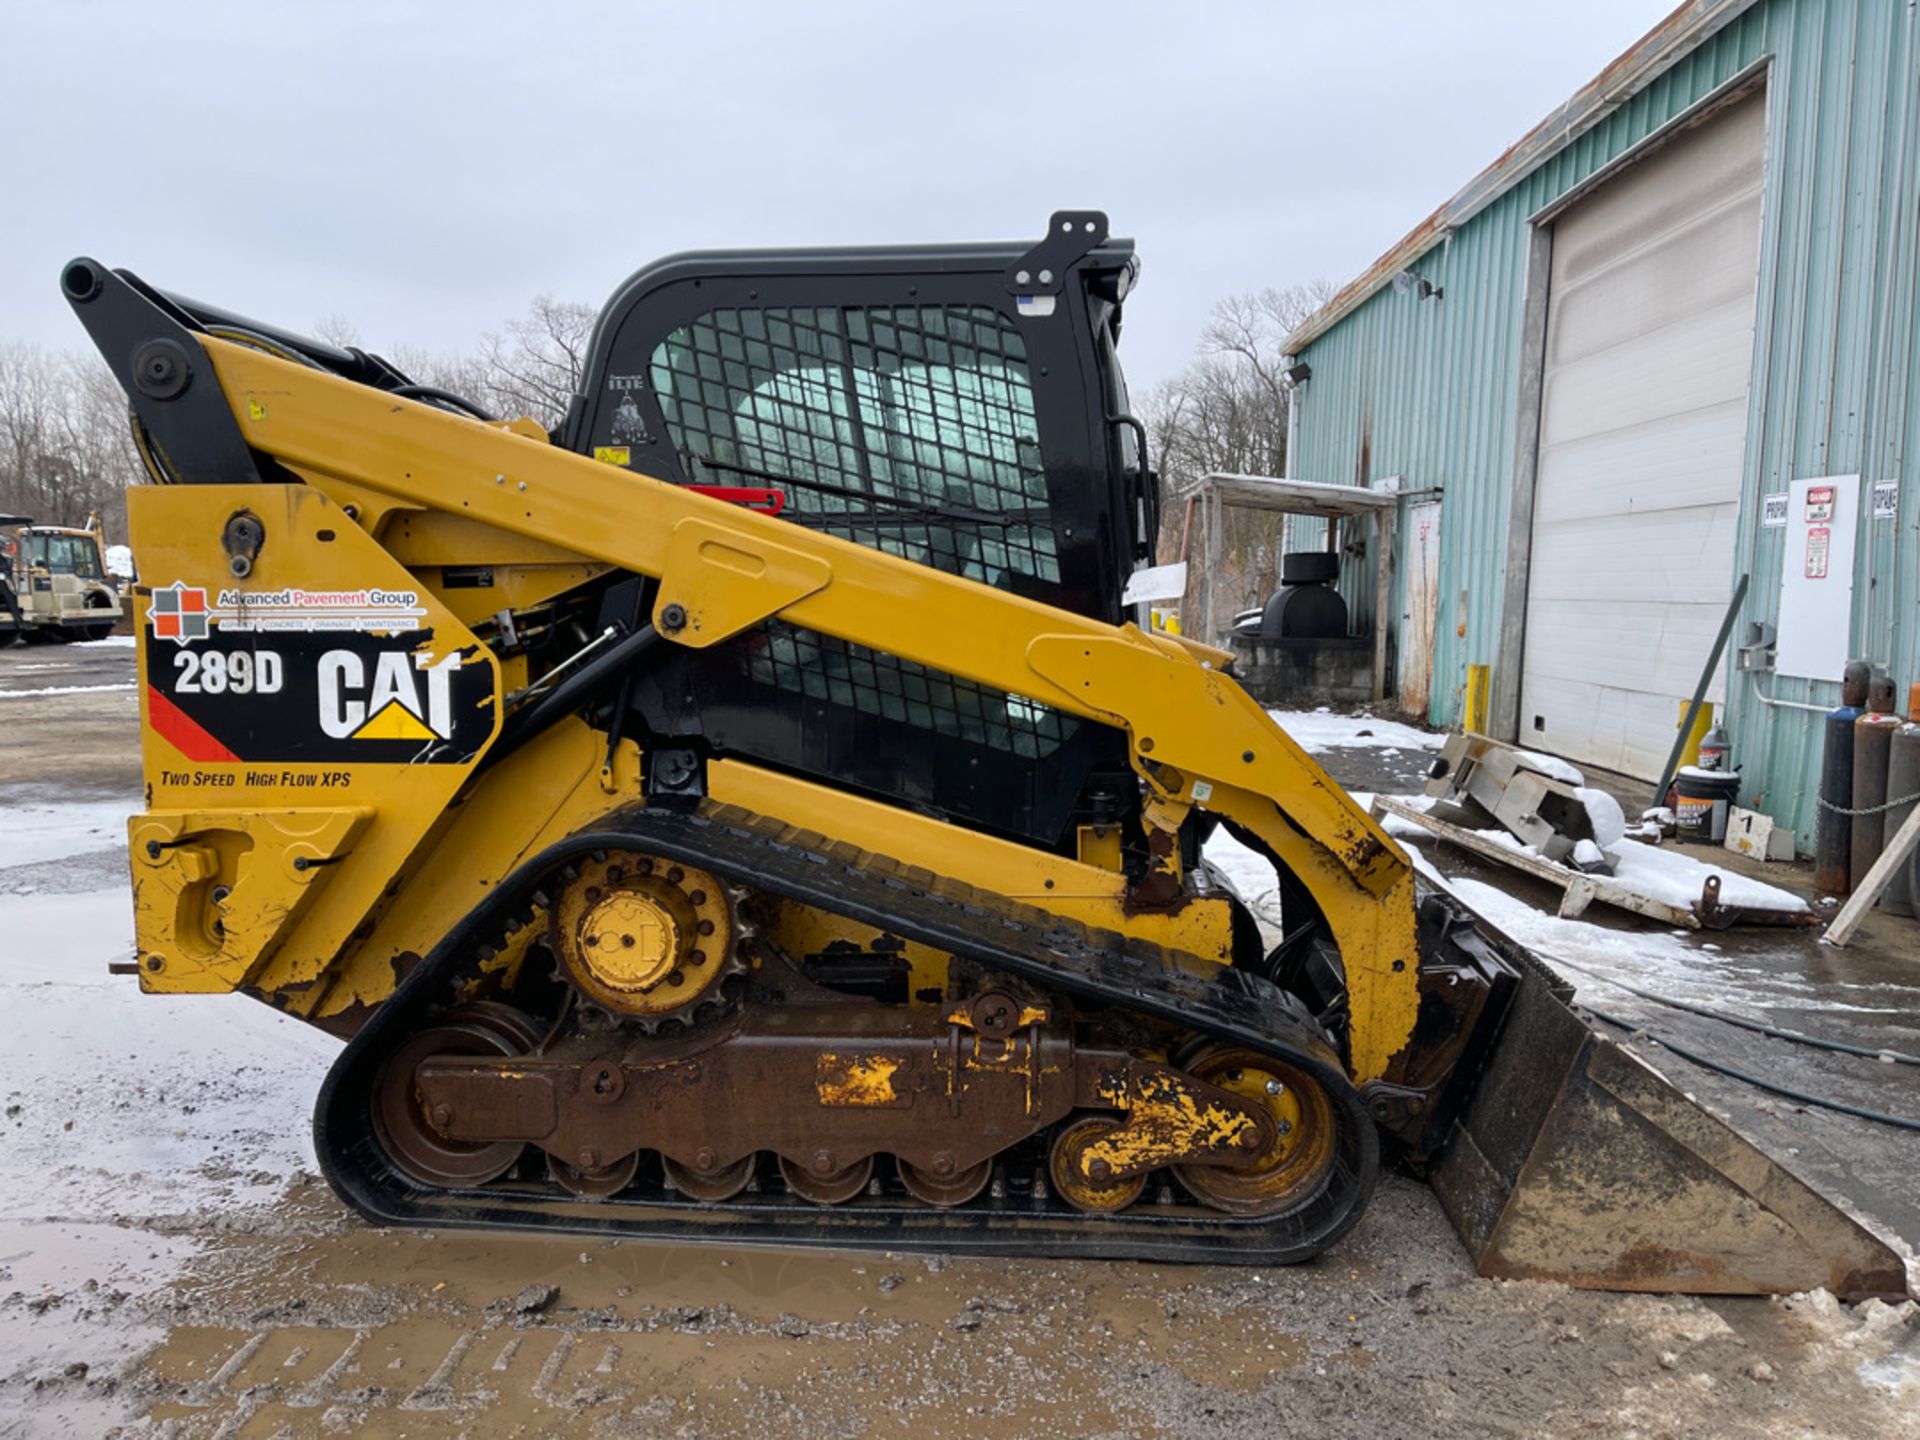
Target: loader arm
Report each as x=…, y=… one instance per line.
x=1196, y=737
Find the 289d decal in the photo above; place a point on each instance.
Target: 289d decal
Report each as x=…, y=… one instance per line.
x=226, y=692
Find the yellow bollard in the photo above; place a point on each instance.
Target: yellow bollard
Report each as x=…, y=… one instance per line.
x=1703, y=722
x=1473, y=710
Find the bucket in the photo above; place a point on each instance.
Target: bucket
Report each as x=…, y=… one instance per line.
x=1701, y=801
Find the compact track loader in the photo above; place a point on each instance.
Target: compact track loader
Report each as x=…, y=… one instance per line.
x=748, y=813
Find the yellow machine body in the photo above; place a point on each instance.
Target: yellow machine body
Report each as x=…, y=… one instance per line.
x=377, y=473
x=368, y=808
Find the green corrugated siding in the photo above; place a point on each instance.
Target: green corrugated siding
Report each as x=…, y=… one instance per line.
x=1428, y=389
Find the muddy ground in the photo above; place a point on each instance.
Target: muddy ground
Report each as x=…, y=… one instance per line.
x=170, y=1265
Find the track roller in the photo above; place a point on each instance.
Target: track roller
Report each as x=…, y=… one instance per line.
x=598, y=1183
x=945, y=1190
x=1092, y=1196
x=711, y=1185
x=833, y=1188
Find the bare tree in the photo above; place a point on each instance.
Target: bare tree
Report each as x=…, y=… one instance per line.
x=1227, y=412
x=534, y=368
x=65, y=446
x=337, y=329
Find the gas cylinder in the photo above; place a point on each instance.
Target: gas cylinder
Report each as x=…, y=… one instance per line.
x=1902, y=895
x=1833, y=829
x=1716, y=751
x=1872, y=738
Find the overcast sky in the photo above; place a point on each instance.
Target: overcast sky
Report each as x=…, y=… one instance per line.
x=422, y=171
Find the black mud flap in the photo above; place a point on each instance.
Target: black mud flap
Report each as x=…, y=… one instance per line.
x=1576, y=1161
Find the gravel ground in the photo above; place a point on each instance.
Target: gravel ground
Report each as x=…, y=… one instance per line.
x=170, y=1265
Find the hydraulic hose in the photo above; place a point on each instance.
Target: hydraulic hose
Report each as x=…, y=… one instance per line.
x=1799, y=1097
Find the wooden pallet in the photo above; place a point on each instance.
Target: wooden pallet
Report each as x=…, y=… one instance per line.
x=1578, y=890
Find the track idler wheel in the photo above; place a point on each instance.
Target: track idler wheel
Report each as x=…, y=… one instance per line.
x=931, y=1188
x=834, y=1187
x=1296, y=1165
x=409, y=1135
x=1094, y=1196
x=713, y=1184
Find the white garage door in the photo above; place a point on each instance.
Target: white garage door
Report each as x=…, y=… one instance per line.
x=1643, y=418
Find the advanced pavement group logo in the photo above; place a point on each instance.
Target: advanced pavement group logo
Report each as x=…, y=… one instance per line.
x=178, y=612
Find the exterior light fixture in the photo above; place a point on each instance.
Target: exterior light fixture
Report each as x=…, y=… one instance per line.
x=1405, y=281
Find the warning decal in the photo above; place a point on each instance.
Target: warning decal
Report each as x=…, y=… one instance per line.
x=1819, y=542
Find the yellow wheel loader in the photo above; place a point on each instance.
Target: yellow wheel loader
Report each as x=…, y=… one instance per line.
x=749, y=813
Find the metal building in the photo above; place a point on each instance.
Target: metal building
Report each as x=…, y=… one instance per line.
x=1668, y=339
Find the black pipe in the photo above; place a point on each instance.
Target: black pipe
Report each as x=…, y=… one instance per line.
x=1700, y=692
x=572, y=692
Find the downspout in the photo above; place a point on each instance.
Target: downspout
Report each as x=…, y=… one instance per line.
x=1295, y=390
x=1295, y=396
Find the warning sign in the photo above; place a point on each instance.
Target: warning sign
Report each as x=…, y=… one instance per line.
x=1819, y=504
x=1819, y=543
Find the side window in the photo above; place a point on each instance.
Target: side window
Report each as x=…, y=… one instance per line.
x=907, y=429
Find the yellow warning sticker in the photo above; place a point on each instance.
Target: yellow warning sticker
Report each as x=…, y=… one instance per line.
x=612, y=455
x=255, y=410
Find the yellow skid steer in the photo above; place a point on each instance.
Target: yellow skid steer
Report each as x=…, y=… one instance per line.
x=749, y=813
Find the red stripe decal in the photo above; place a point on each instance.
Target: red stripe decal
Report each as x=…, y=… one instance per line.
x=183, y=732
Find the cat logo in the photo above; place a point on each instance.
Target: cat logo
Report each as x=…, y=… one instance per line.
x=392, y=704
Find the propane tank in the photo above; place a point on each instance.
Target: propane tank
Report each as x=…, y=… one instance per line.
x=1902, y=894
x=1833, y=829
x=1872, y=738
x=1716, y=751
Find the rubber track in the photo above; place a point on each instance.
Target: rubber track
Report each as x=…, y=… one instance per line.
x=1231, y=1005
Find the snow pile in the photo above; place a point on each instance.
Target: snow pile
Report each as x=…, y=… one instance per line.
x=1676, y=879
x=120, y=561
x=1551, y=766
x=1604, y=816
x=1630, y=954
x=1317, y=731
x=1885, y=1337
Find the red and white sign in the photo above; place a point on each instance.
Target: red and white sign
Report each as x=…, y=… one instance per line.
x=1819, y=544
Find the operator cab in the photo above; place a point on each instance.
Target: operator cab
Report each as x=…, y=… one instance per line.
x=960, y=406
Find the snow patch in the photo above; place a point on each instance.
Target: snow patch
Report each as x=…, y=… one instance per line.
x=34, y=832
x=1604, y=816
x=205, y=1102
x=67, y=690
x=1317, y=731
x=1551, y=766
x=1667, y=875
